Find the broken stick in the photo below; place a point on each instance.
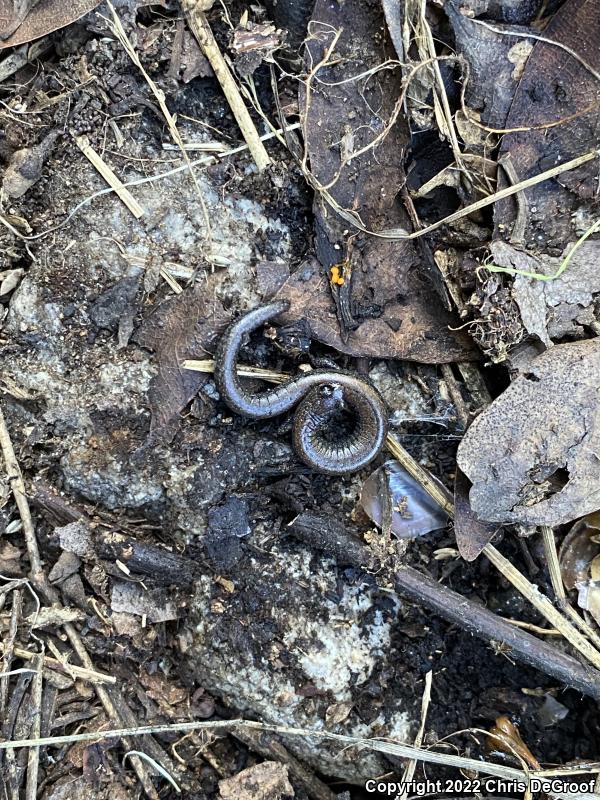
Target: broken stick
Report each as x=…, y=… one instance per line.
x=202, y=31
x=485, y=624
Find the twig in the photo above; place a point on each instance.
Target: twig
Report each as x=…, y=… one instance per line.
x=17, y=485
x=543, y=604
x=386, y=747
x=409, y=771
x=443, y=498
x=83, y=143
x=434, y=489
x=203, y=33
x=40, y=581
x=9, y=647
x=202, y=161
x=529, y=626
x=33, y=759
x=559, y=589
x=476, y=619
x=90, y=675
x=553, y=172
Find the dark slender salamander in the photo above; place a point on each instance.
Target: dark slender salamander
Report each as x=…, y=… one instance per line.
x=319, y=394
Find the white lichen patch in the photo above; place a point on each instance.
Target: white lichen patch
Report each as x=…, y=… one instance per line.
x=344, y=651
x=324, y=637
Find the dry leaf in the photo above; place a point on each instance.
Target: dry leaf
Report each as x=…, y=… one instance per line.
x=506, y=738
x=337, y=712
x=44, y=17
x=265, y=781
x=532, y=454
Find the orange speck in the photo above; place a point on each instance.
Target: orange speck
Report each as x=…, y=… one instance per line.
x=336, y=275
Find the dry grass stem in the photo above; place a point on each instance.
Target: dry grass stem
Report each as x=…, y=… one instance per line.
x=208, y=365
x=444, y=114
x=90, y=675
x=377, y=745
x=409, y=770
x=559, y=589
x=543, y=605
x=158, y=767
x=109, y=176
x=119, y=32
x=203, y=33
x=202, y=161
x=39, y=580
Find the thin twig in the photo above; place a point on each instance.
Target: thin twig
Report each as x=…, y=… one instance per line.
x=543, y=604
x=83, y=143
x=434, y=489
x=17, y=485
x=203, y=33
x=409, y=770
x=386, y=747
x=90, y=675
x=40, y=581
x=33, y=760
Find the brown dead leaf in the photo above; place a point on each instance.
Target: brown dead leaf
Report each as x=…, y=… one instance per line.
x=31, y=21
x=408, y=329
x=265, y=781
x=387, y=300
x=186, y=326
x=471, y=533
x=162, y=690
x=492, y=60
x=506, y=737
x=532, y=454
x=555, y=86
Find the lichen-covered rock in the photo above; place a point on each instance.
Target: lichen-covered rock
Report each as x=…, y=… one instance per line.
x=293, y=643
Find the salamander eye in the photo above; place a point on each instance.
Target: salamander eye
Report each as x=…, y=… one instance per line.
x=326, y=390
x=332, y=394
